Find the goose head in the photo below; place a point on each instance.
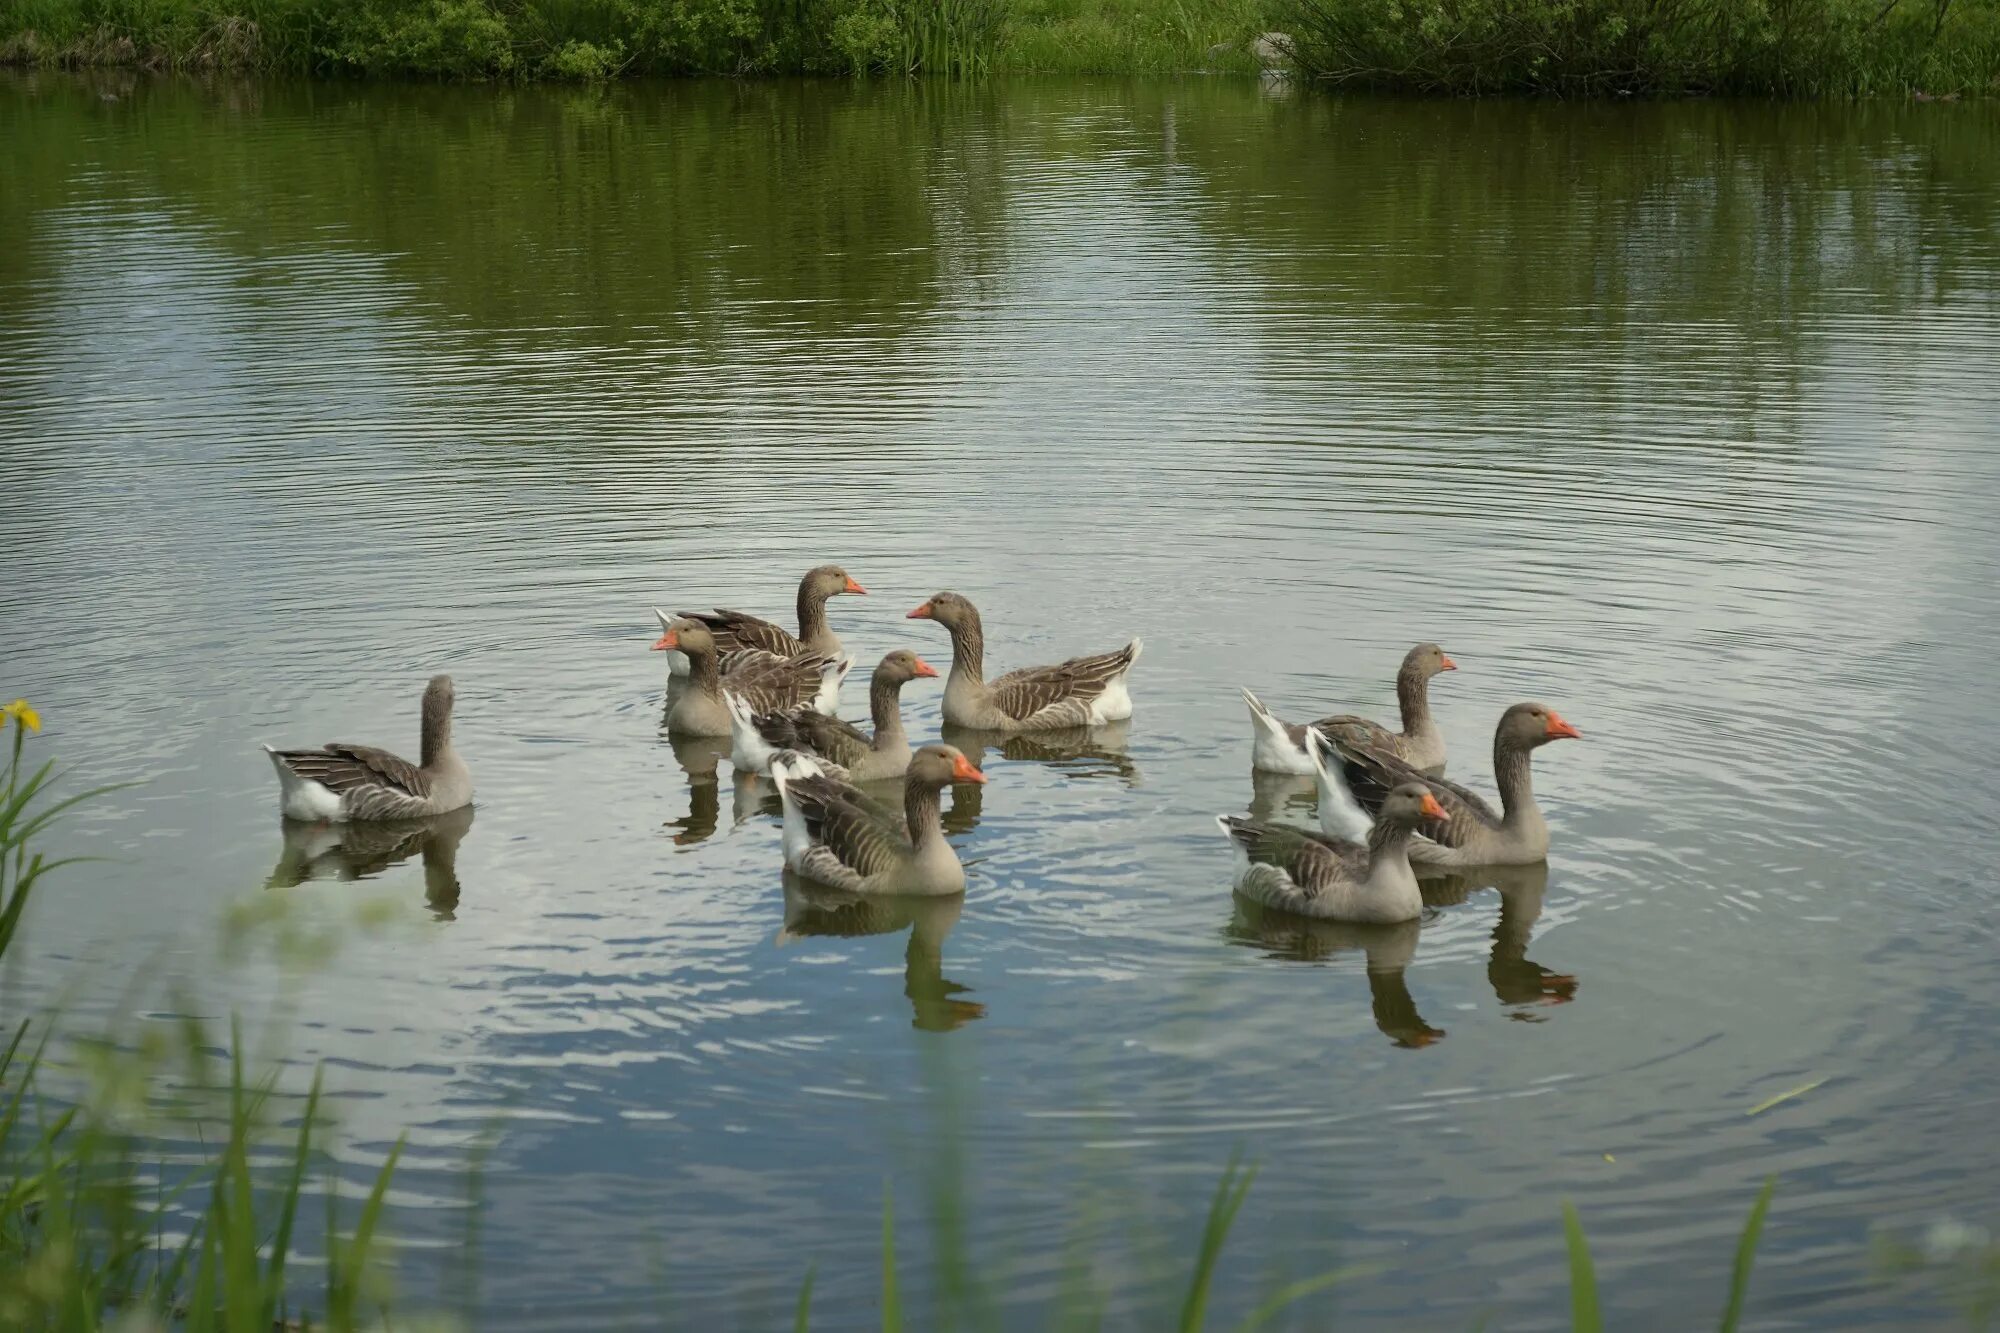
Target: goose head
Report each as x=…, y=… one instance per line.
x=1527, y=726
x=940, y=766
x=902, y=666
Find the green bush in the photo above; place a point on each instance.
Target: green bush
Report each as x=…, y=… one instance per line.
x=1595, y=48
x=585, y=62
x=584, y=40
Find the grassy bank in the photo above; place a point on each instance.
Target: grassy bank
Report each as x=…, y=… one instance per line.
x=1790, y=48
x=1602, y=48
x=599, y=39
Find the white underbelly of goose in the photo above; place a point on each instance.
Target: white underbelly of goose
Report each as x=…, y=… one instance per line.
x=1113, y=705
x=302, y=798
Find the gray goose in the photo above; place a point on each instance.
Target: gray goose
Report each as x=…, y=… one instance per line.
x=344, y=782
x=836, y=836
x=737, y=630
x=1298, y=871
x=1279, y=747
x=1082, y=692
x=844, y=749
x=1471, y=832
x=767, y=682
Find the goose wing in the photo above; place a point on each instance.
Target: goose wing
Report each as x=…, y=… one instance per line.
x=813, y=732
x=829, y=737
x=1052, y=694
x=854, y=839
x=1371, y=774
x=1348, y=730
x=371, y=783
x=736, y=630
x=342, y=768
x=1312, y=863
x=770, y=683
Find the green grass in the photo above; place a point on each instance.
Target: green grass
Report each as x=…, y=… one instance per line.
x=1570, y=48
x=84, y=1211
x=1602, y=48
x=1132, y=36
x=591, y=40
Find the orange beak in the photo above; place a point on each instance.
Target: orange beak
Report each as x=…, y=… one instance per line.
x=671, y=639
x=963, y=771
x=925, y=669
x=1449, y=665
x=921, y=613
x=852, y=586
x=1558, y=727
x=1432, y=810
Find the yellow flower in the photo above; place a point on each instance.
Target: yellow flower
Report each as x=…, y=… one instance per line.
x=23, y=712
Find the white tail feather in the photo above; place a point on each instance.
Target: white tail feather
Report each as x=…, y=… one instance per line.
x=302, y=798
x=1272, y=749
x=1340, y=815
x=827, y=701
x=787, y=767
x=748, y=749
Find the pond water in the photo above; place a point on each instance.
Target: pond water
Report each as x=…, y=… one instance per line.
x=1682, y=419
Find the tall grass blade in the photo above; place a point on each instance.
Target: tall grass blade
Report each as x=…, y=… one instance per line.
x=1583, y=1315
x=1746, y=1254
x=1285, y=1297
x=892, y=1310
x=288, y=1204
x=1230, y=1192
x=802, y=1317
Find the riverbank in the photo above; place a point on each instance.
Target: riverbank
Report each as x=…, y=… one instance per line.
x=548, y=39
x=1568, y=48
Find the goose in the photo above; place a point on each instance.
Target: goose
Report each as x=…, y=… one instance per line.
x=343, y=782
x=1082, y=692
x=1470, y=833
x=1299, y=871
x=837, y=837
x=736, y=630
x=1281, y=748
x=764, y=680
x=845, y=750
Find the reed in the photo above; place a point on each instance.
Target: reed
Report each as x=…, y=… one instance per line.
x=86, y=1211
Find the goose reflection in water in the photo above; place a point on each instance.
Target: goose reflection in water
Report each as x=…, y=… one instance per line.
x=1516, y=980
x=365, y=849
x=811, y=910
x=1273, y=796
x=1389, y=950
x=1519, y=983
x=1083, y=752
x=700, y=758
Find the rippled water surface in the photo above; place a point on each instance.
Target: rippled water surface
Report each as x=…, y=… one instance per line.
x=1683, y=419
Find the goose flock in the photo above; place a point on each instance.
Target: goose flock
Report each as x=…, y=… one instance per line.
x=1386, y=811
